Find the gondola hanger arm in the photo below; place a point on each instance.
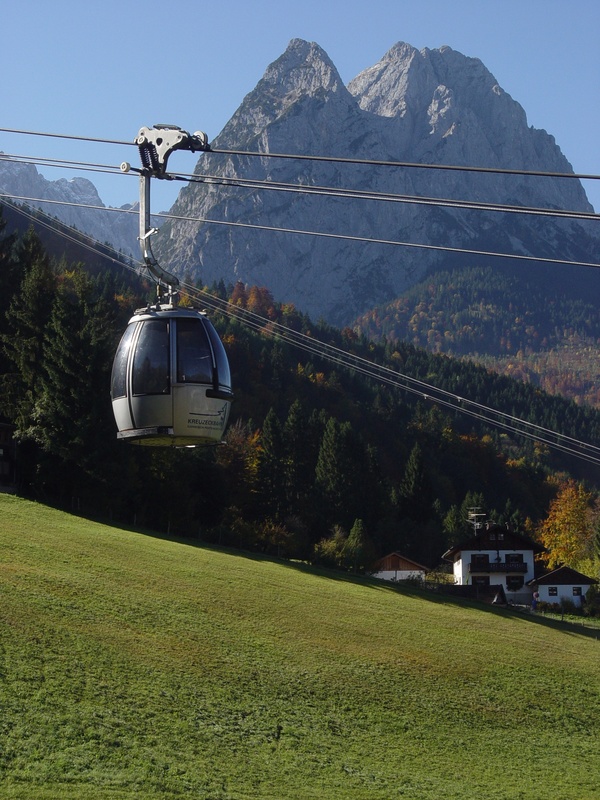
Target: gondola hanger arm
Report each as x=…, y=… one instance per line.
x=156, y=145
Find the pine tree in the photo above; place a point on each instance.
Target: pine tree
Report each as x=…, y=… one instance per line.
x=338, y=475
x=27, y=319
x=71, y=419
x=10, y=280
x=271, y=478
x=356, y=548
x=301, y=448
x=416, y=496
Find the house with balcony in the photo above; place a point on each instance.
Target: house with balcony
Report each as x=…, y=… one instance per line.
x=496, y=556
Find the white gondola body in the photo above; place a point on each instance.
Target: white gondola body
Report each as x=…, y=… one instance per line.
x=171, y=383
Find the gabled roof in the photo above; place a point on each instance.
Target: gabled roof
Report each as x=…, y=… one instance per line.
x=405, y=561
x=563, y=576
x=488, y=538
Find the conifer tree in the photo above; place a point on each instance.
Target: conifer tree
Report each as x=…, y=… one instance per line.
x=10, y=280
x=301, y=447
x=356, y=548
x=271, y=477
x=338, y=475
x=72, y=419
x=27, y=319
x=416, y=495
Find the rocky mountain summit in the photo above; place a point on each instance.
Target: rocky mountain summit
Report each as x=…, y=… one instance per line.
x=336, y=256
x=430, y=107
x=72, y=197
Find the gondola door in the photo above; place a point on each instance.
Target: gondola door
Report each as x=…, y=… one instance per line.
x=199, y=409
x=151, y=397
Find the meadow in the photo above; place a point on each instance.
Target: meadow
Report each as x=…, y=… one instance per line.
x=137, y=666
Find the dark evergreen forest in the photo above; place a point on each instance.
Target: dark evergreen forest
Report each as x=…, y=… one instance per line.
x=319, y=462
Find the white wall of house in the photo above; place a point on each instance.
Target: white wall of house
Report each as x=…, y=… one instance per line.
x=564, y=592
x=463, y=575
x=399, y=574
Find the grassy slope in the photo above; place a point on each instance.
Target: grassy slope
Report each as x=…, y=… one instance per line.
x=132, y=666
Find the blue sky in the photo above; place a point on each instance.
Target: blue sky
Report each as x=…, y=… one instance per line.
x=105, y=69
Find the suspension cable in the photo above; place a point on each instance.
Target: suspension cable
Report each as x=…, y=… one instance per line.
x=60, y=163
x=327, y=191
x=381, y=373
x=329, y=159
x=319, y=234
x=406, y=164
x=423, y=390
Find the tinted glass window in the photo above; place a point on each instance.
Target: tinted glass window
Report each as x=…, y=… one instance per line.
x=118, y=384
x=151, y=359
x=220, y=357
x=194, y=356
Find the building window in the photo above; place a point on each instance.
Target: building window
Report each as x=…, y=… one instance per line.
x=577, y=591
x=553, y=591
x=514, y=582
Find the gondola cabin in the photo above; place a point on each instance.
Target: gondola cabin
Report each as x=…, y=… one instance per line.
x=171, y=384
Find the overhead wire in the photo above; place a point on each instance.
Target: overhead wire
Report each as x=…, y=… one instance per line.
x=313, y=233
x=407, y=164
x=449, y=400
x=329, y=191
x=60, y=163
x=330, y=159
x=84, y=240
x=421, y=389
x=308, y=189
x=67, y=136
x=428, y=392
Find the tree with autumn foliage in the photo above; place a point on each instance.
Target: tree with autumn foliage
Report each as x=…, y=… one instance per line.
x=569, y=531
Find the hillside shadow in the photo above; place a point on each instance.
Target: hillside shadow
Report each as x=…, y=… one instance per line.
x=435, y=596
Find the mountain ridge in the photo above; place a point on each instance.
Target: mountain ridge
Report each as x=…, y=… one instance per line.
x=413, y=106
x=301, y=106
x=74, y=202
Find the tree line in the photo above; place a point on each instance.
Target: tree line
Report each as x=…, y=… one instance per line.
x=318, y=463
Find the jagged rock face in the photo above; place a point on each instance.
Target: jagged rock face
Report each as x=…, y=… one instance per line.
x=118, y=230
x=430, y=107
x=418, y=107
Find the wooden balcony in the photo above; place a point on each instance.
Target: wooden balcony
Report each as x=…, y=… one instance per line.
x=498, y=566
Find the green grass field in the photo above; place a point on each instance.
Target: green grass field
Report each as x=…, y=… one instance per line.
x=134, y=666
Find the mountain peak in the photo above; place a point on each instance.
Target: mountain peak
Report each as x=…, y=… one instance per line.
x=305, y=66
x=304, y=73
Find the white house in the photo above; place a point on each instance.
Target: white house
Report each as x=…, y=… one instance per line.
x=396, y=567
x=496, y=555
x=563, y=583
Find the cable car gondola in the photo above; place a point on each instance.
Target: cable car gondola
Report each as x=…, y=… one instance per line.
x=171, y=383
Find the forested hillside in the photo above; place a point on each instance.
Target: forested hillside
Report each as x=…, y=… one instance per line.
x=319, y=462
x=503, y=319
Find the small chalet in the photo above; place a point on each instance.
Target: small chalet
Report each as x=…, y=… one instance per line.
x=563, y=583
x=496, y=556
x=396, y=567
